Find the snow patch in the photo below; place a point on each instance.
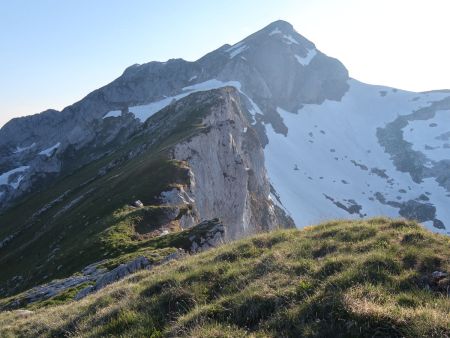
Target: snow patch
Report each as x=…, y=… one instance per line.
x=275, y=31
x=304, y=61
x=238, y=51
x=5, y=177
x=49, y=151
x=237, y=45
x=211, y=84
x=254, y=109
x=349, y=136
x=144, y=112
x=113, y=113
x=290, y=40
x=215, y=84
x=281, y=111
x=192, y=78
x=22, y=149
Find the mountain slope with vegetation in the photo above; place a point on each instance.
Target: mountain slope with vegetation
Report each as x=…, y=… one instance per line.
x=375, y=277
x=89, y=215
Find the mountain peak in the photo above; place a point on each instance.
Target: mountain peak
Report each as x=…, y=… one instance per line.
x=282, y=31
x=282, y=25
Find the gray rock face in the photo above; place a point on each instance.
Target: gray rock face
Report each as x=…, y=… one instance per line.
x=228, y=177
x=56, y=287
x=213, y=237
x=179, y=197
x=278, y=64
x=114, y=275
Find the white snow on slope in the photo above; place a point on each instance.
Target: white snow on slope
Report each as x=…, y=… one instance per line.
x=215, y=84
x=113, y=113
x=144, y=112
x=236, y=45
x=192, y=78
x=236, y=49
x=323, y=140
x=275, y=31
x=4, y=178
x=304, y=61
x=49, y=151
x=425, y=135
x=288, y=39
x=22, y=149
x=211, y=84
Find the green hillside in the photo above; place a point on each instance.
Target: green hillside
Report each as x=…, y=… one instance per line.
x=372, y=278
x=85, y=216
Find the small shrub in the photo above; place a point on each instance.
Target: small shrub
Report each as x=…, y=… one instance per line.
x=158, y=287
x=331, y=267
x=413, y=238
x=175, y=301
x=410, y=260
x=324, y=250
x=228, y=256
x=399, y=224
x=407, y=301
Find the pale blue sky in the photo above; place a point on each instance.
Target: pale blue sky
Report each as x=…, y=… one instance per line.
x=54, y=52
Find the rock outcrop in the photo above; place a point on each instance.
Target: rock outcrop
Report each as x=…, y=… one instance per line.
x=227, y=175
x=122, y=271
x=209, y=234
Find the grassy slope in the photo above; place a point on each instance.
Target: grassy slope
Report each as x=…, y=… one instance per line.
x=154, y=249
x=343, y=278
x=63, y=242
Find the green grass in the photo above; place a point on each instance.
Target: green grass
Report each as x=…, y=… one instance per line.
x=338, y=279
x=155, y=249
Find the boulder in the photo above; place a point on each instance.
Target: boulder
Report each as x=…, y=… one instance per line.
x=138, y=204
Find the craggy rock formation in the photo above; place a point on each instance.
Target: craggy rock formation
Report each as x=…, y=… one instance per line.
x=228, y=177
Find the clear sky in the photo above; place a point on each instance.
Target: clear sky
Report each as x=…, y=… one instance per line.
x=54, y=52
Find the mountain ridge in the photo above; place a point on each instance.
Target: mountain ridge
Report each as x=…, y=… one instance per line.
x=78, y=124
x=80, y=218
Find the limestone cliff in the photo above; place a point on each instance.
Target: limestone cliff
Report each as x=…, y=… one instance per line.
x=227, y=177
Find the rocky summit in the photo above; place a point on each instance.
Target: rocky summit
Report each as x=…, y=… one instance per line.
x=173, y=158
